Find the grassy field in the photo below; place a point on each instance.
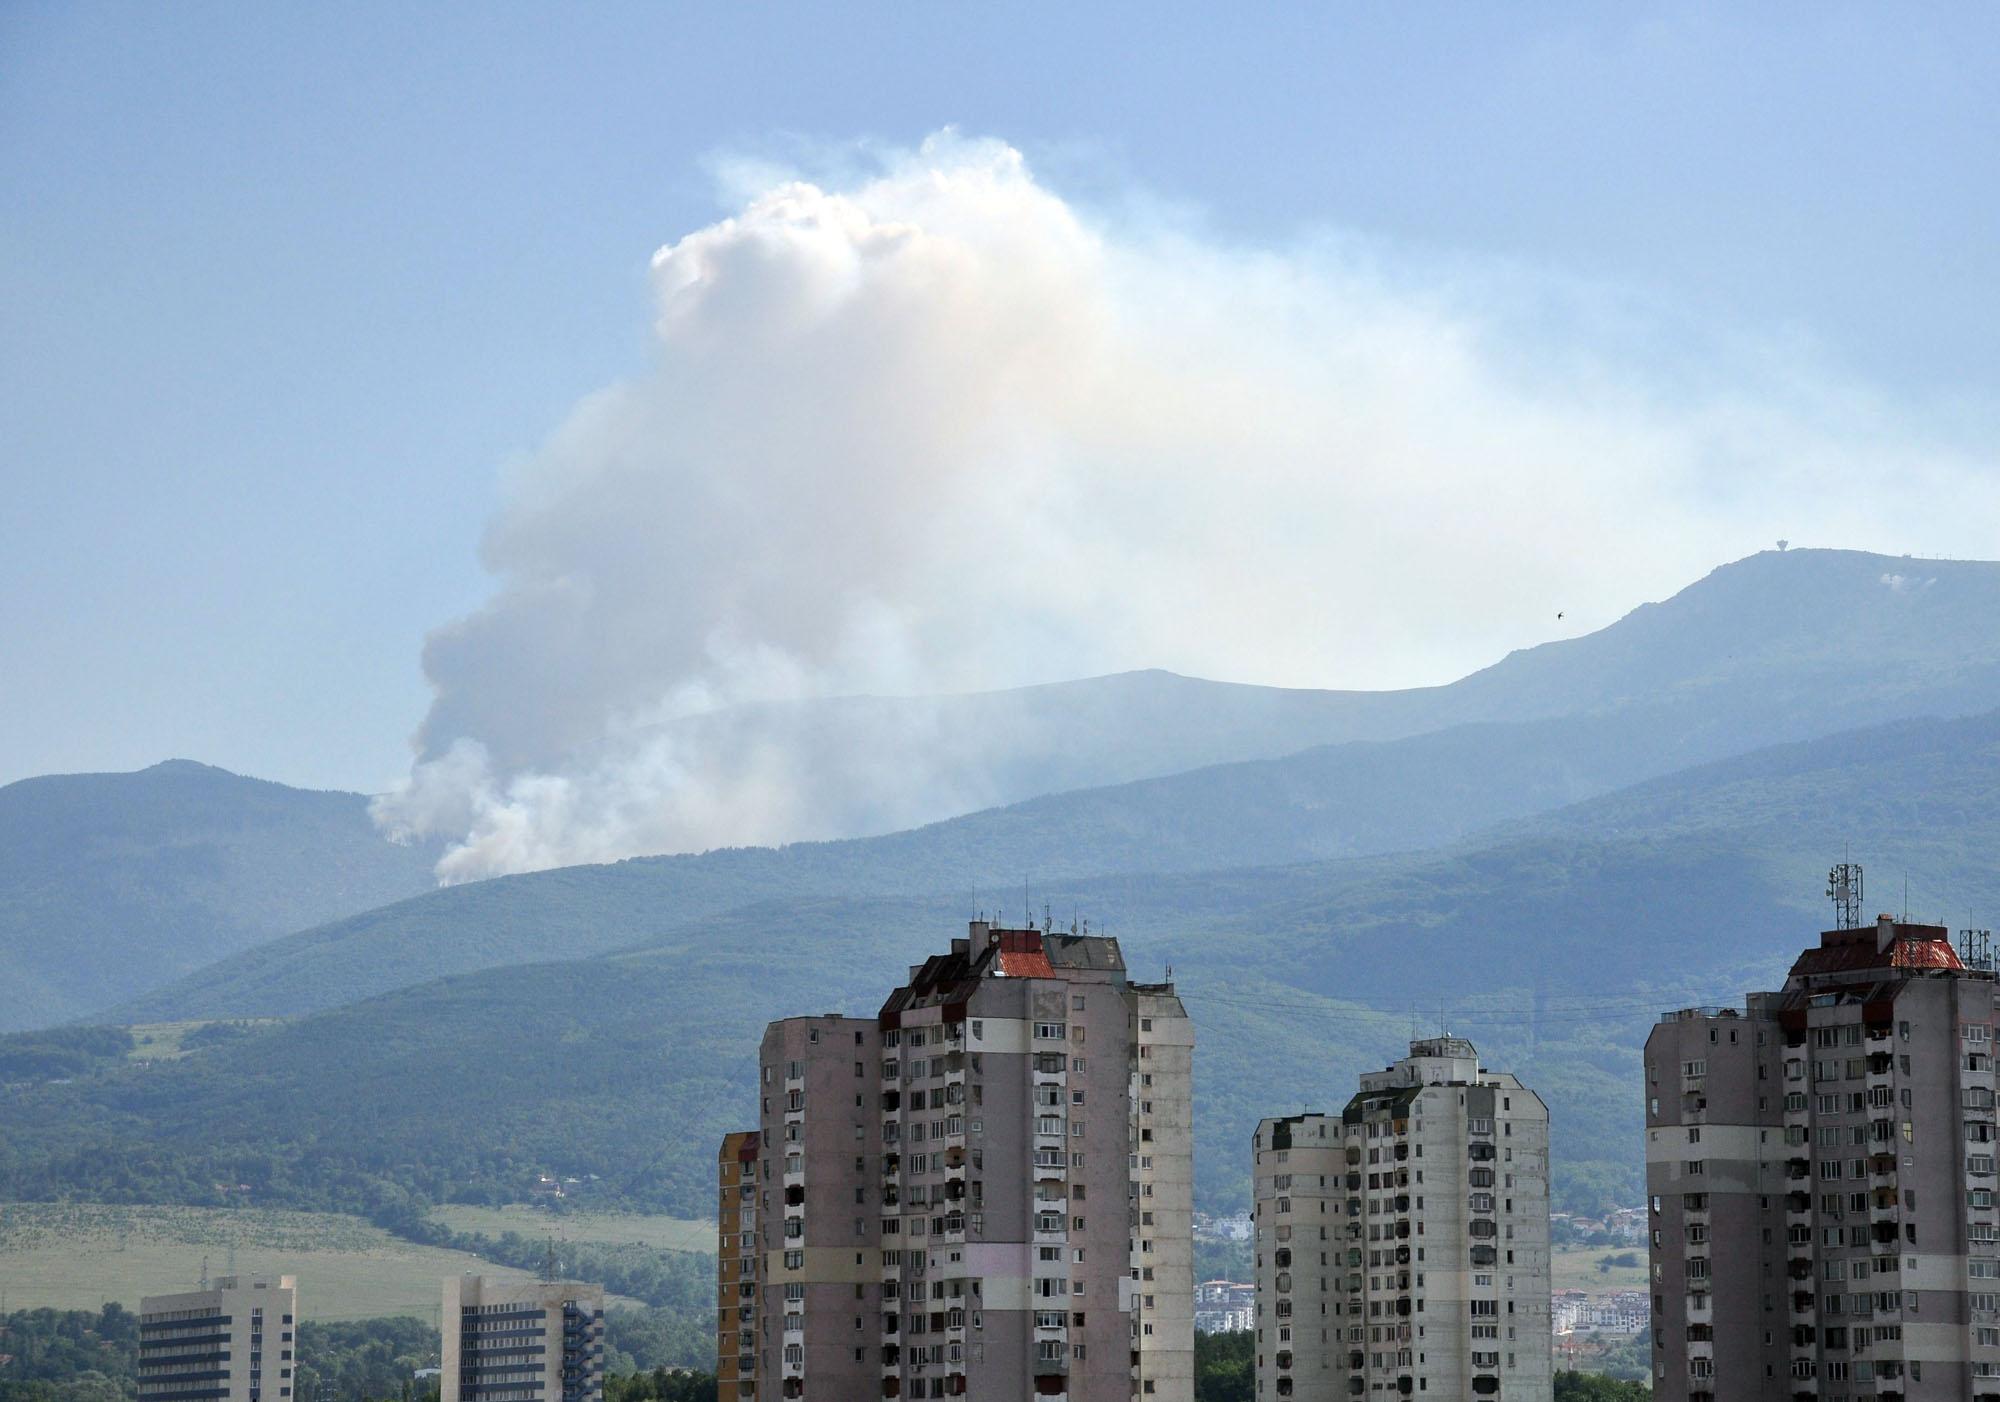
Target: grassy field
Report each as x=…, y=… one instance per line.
x=609, y=1228
x=79, y=1255
x=161, y=1041
x=1575, y=1268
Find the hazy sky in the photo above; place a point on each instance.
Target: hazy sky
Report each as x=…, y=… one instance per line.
x=290, y=296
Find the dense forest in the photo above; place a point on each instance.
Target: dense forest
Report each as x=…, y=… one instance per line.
x=1594, y=1387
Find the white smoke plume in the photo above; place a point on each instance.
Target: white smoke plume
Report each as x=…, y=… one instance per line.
x=934, y=428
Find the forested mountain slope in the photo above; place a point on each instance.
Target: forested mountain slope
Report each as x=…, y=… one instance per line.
x=113, y=883
x=1778, y=647
x=1552, y=942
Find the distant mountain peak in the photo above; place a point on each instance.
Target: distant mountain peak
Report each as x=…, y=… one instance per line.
x=187, y=766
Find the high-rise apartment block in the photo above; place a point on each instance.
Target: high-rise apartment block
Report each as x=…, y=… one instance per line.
x=521, y=1341
x=1820, y=1166
x=984, y=1190
x=232, y=1342
x=1403, y=1244
x=736, y=1257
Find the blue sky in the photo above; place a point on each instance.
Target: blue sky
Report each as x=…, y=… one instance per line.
x=287, y=289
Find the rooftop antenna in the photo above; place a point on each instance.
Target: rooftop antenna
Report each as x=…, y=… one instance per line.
x=1975, y=948
x=549, y=1260
x=204, y=1272
x=1843, y=888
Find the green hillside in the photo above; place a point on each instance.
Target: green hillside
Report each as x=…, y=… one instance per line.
x=111, y=884
x=1553, y=943
x=1748, y=657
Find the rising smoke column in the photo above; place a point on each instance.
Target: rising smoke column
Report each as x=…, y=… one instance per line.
x=937, y=429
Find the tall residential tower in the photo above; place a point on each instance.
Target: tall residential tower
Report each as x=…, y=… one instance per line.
x=1403, y=1245
x=736, y=1256
x=1820, y=1167
x=983, y=1190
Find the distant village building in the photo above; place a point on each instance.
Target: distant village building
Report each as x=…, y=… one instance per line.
x=1237, y=1228
x=1613, y=1312
x=1224, y=1306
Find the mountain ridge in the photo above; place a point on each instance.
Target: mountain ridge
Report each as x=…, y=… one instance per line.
x=111, y=883
x=1357, y=798
x=1543, y=940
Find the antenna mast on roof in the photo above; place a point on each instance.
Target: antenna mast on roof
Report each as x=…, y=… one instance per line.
x=1843, y=888
x=549, y=1260
x=1975, y=949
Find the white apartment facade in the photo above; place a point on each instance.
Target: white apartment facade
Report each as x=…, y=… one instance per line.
x=521, y=1341
x=232, y=1341
x=1403, y=1244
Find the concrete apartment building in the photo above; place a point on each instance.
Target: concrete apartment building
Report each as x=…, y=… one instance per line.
x=1820, y=1168
x=736, y=1256
x=1403, y=1244
x=521, y=1341
x=231, y=1340
x=984, y=1190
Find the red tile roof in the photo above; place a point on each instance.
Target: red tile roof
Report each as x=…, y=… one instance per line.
x=1034, y=965
x=1022, y=955
x=1913, y=947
